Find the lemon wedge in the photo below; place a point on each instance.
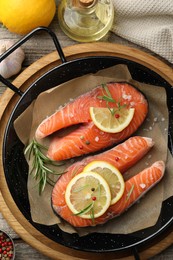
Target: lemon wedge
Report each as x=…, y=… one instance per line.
x=88, y=195
x=111, y=175
x=108, y=121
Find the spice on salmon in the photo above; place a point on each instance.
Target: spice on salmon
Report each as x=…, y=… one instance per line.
x=111, y=96
x=138, y=147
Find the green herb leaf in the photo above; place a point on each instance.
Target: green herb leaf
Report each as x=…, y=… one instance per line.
x=92, y=215
x=85, y=210
x=108, y=98
x=112, y=110
x=104, y=86
x=130, y=192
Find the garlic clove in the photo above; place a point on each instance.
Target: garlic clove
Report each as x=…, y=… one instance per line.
x=13, y=63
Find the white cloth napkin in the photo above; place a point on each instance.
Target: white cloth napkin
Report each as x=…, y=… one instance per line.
x=148, y=23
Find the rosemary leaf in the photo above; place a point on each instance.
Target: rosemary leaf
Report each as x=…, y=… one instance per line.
x=58, y=173
x=106, y=98
x=41, y=146
x=42, y=156
x=47, y=169
x=107, y=90
x=92, y=215
x=44, y=177
x=85, y=210
x=50, y=182
x=56, y=163
x=130, y=192
x=112, y=110
x=28, y=148
x=36, y=168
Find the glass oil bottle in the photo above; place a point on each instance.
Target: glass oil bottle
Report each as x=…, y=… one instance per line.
x=86, y=20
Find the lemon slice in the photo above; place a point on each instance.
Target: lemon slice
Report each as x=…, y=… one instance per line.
x=88, y=195
x=111, y=122
x=111, y=175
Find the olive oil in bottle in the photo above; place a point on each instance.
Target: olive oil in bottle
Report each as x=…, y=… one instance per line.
x=86, y=20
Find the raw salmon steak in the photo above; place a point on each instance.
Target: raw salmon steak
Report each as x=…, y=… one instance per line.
x=87, y=138
x=123, y=156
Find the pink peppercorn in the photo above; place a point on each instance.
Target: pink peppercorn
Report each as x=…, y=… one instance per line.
x=6, y=246
x=117, y=159
x=117, y=115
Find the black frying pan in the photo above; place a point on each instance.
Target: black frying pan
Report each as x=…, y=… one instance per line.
x=16, y=168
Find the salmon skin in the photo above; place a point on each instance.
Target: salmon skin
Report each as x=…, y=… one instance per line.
x=87, y=138
x=123, y=156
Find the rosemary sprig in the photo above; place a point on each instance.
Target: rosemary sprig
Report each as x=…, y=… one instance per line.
x=40, y=165
x=108, y=98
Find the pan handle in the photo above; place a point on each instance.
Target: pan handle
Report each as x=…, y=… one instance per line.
x=135, y=254
x=19, y=43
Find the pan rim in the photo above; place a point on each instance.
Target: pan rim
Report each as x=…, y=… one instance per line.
x=25, y=93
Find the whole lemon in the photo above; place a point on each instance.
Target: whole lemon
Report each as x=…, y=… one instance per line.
x=22, y=16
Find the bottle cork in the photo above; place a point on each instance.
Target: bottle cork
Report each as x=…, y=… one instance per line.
x=86, y=2
x=83, y=3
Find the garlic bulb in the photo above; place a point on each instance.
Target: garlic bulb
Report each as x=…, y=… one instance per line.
x=13, y=63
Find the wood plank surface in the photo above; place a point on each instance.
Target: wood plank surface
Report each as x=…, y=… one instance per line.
x=33, y=53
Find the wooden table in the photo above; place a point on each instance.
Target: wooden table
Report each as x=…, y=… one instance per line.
x=35, y=48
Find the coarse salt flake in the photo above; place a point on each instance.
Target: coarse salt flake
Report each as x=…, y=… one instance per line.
x=132, y=103
x=142, y=185
x=127, y=97
x=88, y=196
x=96, y=138
x=60, y=107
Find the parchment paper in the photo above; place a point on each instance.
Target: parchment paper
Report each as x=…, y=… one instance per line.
x=144, y=213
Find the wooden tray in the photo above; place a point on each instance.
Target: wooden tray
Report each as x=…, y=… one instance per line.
x=7, y=206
